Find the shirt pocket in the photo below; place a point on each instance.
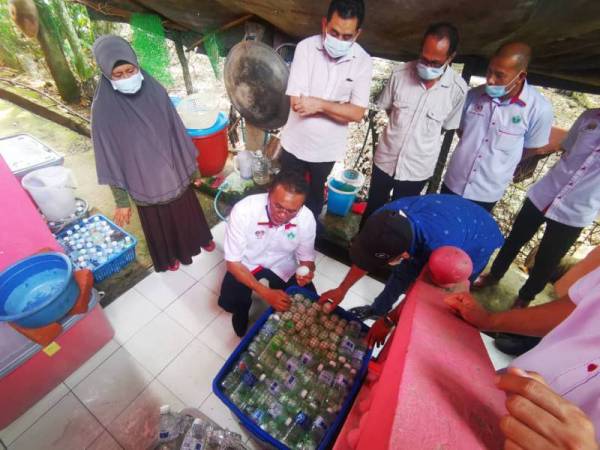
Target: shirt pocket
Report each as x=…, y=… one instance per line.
x=433, y=122
x=400, y=110
x=343, y=92
x=575, y=377
x=510, y=140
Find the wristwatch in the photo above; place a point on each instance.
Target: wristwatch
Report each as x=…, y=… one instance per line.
x=388, y=322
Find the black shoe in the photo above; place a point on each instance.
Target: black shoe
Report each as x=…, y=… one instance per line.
x=364, y=312
x=239, y=320
x=514, y=344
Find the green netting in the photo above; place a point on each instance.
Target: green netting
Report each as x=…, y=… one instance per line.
x=212, y=47
x=150, y=46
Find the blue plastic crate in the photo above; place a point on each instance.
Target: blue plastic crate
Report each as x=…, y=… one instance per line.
x=116, y=262
x=243, y=345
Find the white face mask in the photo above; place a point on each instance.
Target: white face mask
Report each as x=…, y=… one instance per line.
x=336, y=47
x=128, y=85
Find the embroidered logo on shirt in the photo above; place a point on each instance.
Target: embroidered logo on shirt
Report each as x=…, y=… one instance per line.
x=259, y=234
x=291, y=235
x=516, y=119
x=478, y=107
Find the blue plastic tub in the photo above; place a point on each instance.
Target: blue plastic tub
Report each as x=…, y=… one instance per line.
x=116, y=262
x=243, y=345
x=219, y=124
x=37, y=290
x=340, y=197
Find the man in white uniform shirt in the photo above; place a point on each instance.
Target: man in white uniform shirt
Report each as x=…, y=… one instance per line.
x=329, y=87
x=567, y=199
x=503, y=122
x=267, y=237
x=422, y=98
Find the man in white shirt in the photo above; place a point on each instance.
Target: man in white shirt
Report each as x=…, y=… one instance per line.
x=267, y=237
x=329, y=87
x=422, y=99
x=503, y=122
x=567, y=199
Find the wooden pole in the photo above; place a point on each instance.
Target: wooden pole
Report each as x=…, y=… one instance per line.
x=189, y=87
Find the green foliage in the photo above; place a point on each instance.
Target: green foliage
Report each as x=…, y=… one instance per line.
x=150, y=46
x=213, y=49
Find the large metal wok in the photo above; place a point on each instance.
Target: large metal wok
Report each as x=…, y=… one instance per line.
x=256, y=79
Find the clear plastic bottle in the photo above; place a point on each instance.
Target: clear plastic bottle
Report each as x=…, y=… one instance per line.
x=244, y=390
x=196, y=435
x=298, y=430
x=168, y=428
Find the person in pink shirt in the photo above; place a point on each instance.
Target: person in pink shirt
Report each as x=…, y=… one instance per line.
x=329, y=87
x=553, y=391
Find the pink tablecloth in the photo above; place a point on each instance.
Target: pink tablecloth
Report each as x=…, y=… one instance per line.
x=22, y=230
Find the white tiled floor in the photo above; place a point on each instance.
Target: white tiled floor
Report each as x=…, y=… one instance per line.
x=171, y=338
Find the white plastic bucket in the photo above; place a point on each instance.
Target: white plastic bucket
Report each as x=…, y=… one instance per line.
x=53, y=190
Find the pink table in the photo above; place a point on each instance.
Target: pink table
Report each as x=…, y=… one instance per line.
x=436, y=386
x=22, y=229
x=23, y=232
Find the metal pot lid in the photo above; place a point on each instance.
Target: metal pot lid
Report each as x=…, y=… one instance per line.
x=256, y=80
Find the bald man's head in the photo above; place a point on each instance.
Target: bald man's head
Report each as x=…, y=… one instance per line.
x=518, y=52
x=508, y=67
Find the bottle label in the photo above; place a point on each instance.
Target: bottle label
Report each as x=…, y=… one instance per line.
x=347, y=345
x=341, y=380
x=274, y=388
x=258, y=415
x=320, y=423
x=326, y=377
x=292, y=365
x=306, y=358
x=291, y=382
x=249, y=379
x=302, y=420
x=359, y=355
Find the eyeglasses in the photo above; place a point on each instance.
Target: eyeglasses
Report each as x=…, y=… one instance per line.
x=434, y=64
x=277, y=207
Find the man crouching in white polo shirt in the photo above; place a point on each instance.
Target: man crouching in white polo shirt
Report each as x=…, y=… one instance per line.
x=268, y=236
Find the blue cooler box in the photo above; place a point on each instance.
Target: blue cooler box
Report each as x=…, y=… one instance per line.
x=243, y=345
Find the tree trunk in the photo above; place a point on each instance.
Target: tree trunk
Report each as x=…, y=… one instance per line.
x=55, y=58
x=84, y=70
x=189, y=87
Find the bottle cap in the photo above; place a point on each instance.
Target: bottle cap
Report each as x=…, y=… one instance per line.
x=279, y=354
x=165, y=409
x=304, y=393
x=262, y=377
x=197, y=421
x=288, y=421
x=302, y=271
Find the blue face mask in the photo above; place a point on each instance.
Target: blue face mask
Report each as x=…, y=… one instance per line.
x=128, y=85
x=430, y=73
x=336, y=48
x=499, y=91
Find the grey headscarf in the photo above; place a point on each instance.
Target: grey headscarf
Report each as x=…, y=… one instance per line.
x=140, y=143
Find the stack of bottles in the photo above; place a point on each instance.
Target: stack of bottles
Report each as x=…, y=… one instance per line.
x=297, y=373
x=93, y=242
x=183, y=432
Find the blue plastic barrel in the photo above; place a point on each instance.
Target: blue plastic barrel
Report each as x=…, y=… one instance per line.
x=340, y=197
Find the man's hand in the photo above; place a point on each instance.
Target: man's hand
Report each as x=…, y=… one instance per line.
x=539, y=418
x=307, y=106
x=378, y=333
x=122, y=216
x=332, y=297
x=465, y=305
x=303, y=281
x=277, y=298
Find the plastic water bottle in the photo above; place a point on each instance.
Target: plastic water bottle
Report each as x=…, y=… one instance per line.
x=318, y=430
x=298, y=430
x=233, y=378
x=244, y=390
x=168, y=428
x=196, y=435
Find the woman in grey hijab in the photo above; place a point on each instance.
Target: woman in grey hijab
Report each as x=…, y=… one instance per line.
x=143, y=151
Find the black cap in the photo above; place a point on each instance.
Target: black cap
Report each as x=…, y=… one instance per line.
x=386, y=235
